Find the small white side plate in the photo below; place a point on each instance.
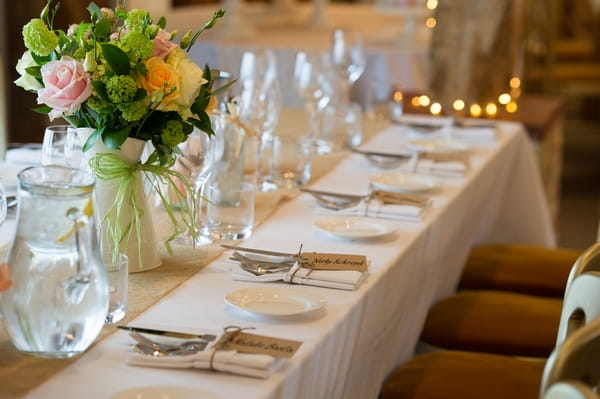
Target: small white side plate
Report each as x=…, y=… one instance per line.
x=355, y=226
x=443, y=145
x=164, y=392
x=275, y=301
x=403, y=182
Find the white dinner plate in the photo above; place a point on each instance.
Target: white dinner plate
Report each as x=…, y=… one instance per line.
x=275, y=301
x=164, y=392
x=355, y=226
x=443, y=145
x=403, y=182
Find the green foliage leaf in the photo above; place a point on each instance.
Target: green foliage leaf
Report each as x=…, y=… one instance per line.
x=44, y=109
x=162, y=22
x=34, y=71
x=113, y=139
x=103, y=29
x=100, y=90
x=39, y=59
x=95, y=12
x=93, y=139
x=203, y=123
x=116, y=58
x=140, y=94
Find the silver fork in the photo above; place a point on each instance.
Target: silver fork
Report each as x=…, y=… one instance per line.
x=192, y=345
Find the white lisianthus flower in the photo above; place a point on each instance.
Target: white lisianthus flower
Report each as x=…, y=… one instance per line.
x=190, y=80
x=27, y=81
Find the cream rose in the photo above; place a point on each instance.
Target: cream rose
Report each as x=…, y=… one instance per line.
x=190, y=80
x=27, y=81
x=66, y=86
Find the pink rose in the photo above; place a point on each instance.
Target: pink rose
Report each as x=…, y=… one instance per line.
x=66, y=86
x=162, y=44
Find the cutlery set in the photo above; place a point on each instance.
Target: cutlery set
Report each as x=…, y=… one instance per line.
x=339, y=201
x=192, y=343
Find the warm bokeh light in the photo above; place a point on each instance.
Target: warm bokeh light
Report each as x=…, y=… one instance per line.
x=516, y=92
x=475, y=110
x=432, y=4
x=435, y=109
x=415, y=101
x=504, y=98
x=511, y=107
x=458, y=105
x=430, y=22
x=424, y=101
x=491, y=109
x=398, y=96
x=515, y=82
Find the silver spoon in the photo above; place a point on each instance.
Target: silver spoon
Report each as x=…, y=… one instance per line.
x=147, y=350
x=258, y=270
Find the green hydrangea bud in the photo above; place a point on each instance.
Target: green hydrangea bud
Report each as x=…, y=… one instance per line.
x=38, y=38
x=172, y=134
x=138, y=44
x=133, y=111
x=96, y=104
x=120, y=89
x=137, y=20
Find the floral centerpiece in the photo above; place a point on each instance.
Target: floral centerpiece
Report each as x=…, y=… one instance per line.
x=124, y=77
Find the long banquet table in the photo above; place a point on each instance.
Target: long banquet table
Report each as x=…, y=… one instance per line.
x=351, y=345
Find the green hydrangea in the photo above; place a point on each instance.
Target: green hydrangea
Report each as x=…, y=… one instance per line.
x=173, y=133
x=96, y=104
x=133, y=111
x=120, y=89
x=138, y=44
x=137, y=20
x=38, y=38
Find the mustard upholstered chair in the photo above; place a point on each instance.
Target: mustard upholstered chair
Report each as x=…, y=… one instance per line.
x=520, y=268
x=502, y=322
x=460, y=374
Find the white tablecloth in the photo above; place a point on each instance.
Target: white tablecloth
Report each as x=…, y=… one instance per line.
x=393, y=55
x=360, y=336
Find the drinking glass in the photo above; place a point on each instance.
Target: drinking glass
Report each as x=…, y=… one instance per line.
x=229, y=210
x=117, y=272
x=314, y=82
x=290, y=161
x=348, y=59
x=260, y=100
x=61, y=146
x=191, y=161
x=3, y=204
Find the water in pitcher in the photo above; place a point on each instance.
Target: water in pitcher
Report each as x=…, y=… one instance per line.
x=58, y=301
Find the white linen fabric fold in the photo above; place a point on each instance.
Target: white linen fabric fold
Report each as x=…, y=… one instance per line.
x=475, y=134
x=442, y=168
x=339, y=279
x=27, y=155
x=376, y=209
x=229, y=361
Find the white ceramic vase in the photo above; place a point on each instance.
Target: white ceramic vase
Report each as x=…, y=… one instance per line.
x=148, y=257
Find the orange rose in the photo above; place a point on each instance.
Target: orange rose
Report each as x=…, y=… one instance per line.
x=160, y=75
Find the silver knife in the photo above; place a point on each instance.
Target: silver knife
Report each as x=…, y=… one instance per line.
x=174, y=334
x=257, y=251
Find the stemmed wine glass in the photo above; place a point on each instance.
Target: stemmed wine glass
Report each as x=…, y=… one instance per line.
x=260, y=101
x=348, y=59
x=315, y=84
x=61, y=146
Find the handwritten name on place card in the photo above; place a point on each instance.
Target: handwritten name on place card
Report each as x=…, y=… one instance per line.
x=336, y=261
x=253, y=343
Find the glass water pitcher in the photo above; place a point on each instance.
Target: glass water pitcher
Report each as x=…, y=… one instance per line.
x=58, y=299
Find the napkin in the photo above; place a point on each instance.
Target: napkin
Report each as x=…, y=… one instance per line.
x=229, y=361
x=338, y=279
x=442, y=168
x=375, y=208
x=476, y=134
